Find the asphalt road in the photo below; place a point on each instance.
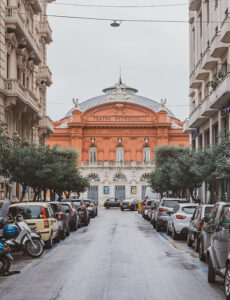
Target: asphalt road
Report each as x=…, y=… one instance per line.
x=119, y=256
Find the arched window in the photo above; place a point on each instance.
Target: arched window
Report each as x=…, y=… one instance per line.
x=120, y=177
x=145, y=177
x=93, y=177
x=120, y=157
x=93, y=155
x=146, y=155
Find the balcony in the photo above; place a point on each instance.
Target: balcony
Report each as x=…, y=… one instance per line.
x=15, y=90
x=36, y=6
x=186, y=127
x=194, y=5
x=45, y=31
x=114, y=164
x=225, y=30
x=219, y=97
x=205, y=109
x=208, y=62
x=45, y=75
x=16, y=22
x=46, y=125
x=200, y=74
x=195, y=118
x=218, y=49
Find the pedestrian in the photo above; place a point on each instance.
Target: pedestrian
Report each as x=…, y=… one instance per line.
x=5, y=207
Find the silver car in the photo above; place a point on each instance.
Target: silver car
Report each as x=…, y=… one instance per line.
x=209, y=223
x=179, y=219
x=218, y=254
x=165, y=205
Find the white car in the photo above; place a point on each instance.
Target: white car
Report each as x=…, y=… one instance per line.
x=179, y=219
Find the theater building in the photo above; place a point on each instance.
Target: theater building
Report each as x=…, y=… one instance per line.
x=115, y=135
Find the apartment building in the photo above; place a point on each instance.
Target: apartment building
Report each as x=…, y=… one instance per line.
x=24, y=74
x=209, y=79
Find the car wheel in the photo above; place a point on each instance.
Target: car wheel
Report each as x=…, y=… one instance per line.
x=68, y=231
x=75, y=225
x=58, y=238
x=108, y=207
x=227, y=282
x=168, y=231
x=174, y=235
x=201, y=251
x=63, y=234
x=49, y=243
x=196, y=244
x=96, y=212
x=122, y=209
x=158, y=228
x=189, y=242
x=154, y=224
x=211, y=272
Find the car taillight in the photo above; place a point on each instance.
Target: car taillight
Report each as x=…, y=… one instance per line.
x=60, y=216
x=200, y=226
x=91, y=205
x=130, y=203
x=82, y=207
x=72, y=212
x=181, y=217
x=5, y=249
x=161, y=209
x=46, y=223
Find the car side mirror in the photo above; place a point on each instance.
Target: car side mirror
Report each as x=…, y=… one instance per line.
x=169, y=213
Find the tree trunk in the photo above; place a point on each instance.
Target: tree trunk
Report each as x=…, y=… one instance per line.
x=23, y=192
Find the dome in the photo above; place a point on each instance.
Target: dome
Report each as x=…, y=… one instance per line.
x=123, y=91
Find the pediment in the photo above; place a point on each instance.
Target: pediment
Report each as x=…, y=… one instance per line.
x=119, y=112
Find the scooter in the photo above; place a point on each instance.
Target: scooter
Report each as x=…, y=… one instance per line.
x=19, y=236
x=5, y=258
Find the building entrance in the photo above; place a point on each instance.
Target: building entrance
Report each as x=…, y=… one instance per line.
x=120, y=192
x=93, y=193
x=143, y=192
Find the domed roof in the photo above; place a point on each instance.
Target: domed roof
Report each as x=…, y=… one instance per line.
x=119, y=92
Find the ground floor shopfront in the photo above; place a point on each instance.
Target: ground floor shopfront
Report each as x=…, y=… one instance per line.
x=120, y=181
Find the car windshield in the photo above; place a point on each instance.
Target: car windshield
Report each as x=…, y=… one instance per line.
x=170, y=203
x=28, y=212
x=207, y=210
x=111, y=200
x=87, y=202
x=77, y=203
x=189, y=209
x=66, y=207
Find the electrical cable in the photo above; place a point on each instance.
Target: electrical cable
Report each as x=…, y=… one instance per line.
x=120, y=6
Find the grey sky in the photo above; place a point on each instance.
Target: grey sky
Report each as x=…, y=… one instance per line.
x=85, y=56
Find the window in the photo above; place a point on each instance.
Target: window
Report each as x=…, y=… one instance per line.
x=200, y=17
x=207, y=138
x=216, y=3
x=213, y=212
x=146, y=155
x=215, y=134
x=119, y=154
x=93, y=155
x=225, y=218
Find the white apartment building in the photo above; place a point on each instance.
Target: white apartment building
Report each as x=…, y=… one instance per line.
x=24, y=74
x=209, y=79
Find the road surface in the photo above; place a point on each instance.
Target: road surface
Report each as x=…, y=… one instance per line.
x=118, y=256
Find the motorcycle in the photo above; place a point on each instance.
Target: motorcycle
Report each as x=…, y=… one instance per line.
x=5, y=257
x=19, y=236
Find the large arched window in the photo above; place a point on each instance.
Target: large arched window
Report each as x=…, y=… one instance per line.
x=120, y=156
x=146, y=154
x=93, y=155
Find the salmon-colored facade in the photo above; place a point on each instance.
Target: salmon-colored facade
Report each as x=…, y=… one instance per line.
x=115, y=136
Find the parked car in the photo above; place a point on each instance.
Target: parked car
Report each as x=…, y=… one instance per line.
x=82, y=210
x=152, y=209
x=41, y=216
x=207, y=229
x=161, y=216
x=73, y=216
x=130, y=204
x=112, y=202
x=92, y=208
x=62, y=217
x=196, y=224
x=179, y=218
x=218, y=254
x=146, y=205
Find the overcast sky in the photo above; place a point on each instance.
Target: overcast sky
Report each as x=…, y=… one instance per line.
x=85, y=55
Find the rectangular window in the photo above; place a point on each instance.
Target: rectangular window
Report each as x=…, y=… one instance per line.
x=93, y=155
x=207, y=138
x=216, y=4
x=146, y=155
x=120, y=157
x=215, y=134
x=201, y=27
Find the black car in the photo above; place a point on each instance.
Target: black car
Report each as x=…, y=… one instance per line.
x=73, y=215
x=82, y=210
x=92, y=208
x=112, y=202
x=130, y=204
x=62, y=217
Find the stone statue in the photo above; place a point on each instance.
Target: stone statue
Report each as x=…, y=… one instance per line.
x=163, y=103
x=76, y=104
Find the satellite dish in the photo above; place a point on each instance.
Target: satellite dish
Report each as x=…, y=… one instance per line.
x=115, y=23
